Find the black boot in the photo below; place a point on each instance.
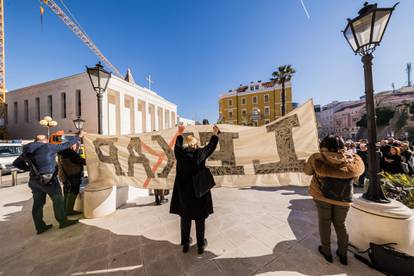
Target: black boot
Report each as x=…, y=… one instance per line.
x=67, y=223
x=65, y=200
x=157, y=200
x=44, y=229
x=328, y=257
x=186, y=246
x=201, y=249
x=70, y=203
x=343, y=259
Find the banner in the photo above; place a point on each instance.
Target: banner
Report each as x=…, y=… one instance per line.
x=268, y=156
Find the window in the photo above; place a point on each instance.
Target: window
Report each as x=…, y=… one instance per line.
x=37, y=103
x=244, y=113
x=257, y=87
x=266, y=111
x=230, y=102
x=251, y=88
x=255, y=100
x=16, y=113
x=78, y=106
x=26, y=111
x=50, y=105
x=10, y=151
x=230, y=115
x=266, y=98
x=243, y=101
x=63, y=103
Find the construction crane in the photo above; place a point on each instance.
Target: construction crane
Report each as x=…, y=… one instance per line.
x=77, y=30
x=3, y=107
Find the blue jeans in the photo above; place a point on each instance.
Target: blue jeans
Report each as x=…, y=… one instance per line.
x=39, y=192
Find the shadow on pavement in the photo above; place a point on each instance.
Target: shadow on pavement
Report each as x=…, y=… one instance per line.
x=84, y=249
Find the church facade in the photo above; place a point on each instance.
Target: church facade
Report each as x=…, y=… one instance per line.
x=127, y=107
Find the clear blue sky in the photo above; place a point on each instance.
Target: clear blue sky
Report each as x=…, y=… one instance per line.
x=196, y=50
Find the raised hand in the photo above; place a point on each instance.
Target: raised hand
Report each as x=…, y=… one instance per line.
x=216, y=130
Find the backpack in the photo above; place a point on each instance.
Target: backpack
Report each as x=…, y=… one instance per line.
x=336, y=189
x=386, y=259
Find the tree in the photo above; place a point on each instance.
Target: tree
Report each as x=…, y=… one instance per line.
x=383, y=114
x=283, y=74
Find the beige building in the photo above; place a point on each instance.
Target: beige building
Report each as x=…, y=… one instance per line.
x=340, y=118
x=346, y=119
x=255, y=104
x=127, y=107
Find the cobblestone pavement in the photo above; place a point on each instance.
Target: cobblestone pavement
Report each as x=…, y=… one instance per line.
x=252, y=232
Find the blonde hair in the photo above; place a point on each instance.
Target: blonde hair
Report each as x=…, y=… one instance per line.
x=190, y=142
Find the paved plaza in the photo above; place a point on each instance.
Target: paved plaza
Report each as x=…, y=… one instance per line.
x=269, y=231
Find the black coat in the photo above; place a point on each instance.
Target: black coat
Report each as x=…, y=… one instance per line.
x=189, y=161
x=70, y=170
x=393, y=167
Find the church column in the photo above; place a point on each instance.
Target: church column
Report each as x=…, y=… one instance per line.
x=147, y=127
x=157, y=127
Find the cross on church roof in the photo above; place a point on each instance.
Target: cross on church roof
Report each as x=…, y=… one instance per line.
x=149, y=81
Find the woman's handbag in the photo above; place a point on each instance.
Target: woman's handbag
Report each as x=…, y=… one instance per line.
x=336, y=188
x=203, y=181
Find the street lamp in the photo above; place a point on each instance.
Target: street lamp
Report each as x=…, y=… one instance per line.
x=363, y=34
x=48, y=122
x=79, y=122
x=99, y=79
x=256, y=115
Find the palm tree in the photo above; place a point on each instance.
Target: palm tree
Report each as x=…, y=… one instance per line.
x=283, y=74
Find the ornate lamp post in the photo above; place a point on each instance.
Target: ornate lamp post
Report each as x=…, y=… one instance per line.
x=79, y=122
x=48, y=122
x=99, y=79
x=364, y=33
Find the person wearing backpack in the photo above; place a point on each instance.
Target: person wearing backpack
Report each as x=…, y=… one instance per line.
x=333, y=172
x=40, y=158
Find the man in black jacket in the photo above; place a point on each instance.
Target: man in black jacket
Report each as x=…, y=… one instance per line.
x=70, y=175
x=40, y=158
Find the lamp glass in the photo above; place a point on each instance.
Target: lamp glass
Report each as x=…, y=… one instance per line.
x=78, y=123
x=47, y=118
x=350, y=37
x=53, y=123
x=105, y=76
x=99, y=78
x=94, y=76
x=381, y=20
x=362, y=28
x=43, y=122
